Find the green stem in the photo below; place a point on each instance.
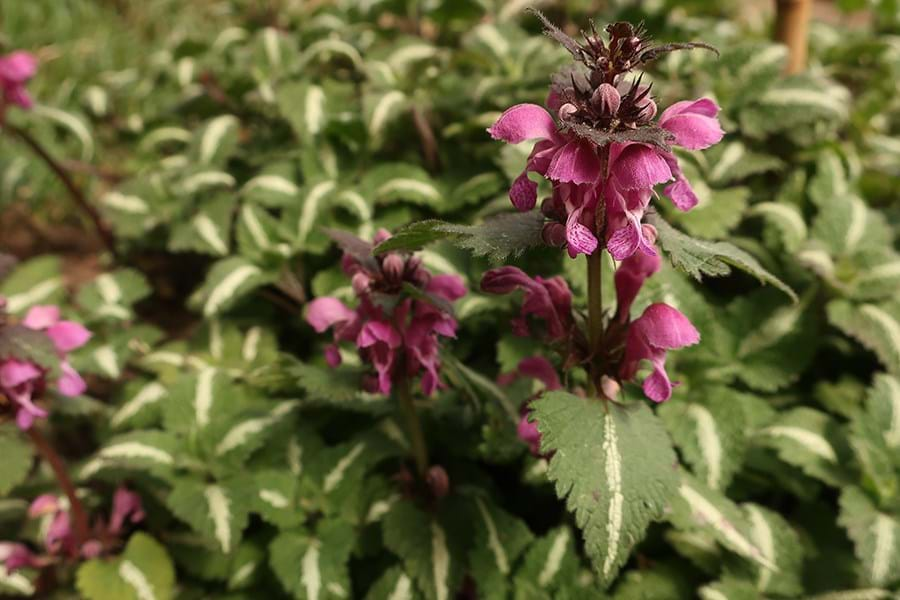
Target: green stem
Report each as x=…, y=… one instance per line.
x=413, y=425
x=595, y=283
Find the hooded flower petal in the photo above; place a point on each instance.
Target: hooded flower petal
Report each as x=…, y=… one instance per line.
x=41, y=317
x=44, y=504
x=70, y=382
x=378, y=331
x=528, y=432
x=523, y=193
x=630, y=277
x=540, y=368
x=68, y=335
x=126, y=506
x=16, y=372
x=665, y=327
x=332, y=355
x=324, y=312
x=449, y=287
x=523, y=122
x=575, y=162
x=17, y=67
x=636, y=166
x=579, y=238
x=693, y=123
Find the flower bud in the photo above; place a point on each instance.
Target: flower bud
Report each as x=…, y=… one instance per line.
x=648, y=110
x=421, y=277
x=381, y=235
x=567, y=110
x=360, y=282
x=609, y=387
x=550, y=208
x=631, y=45
x=554, y=234
x=392, y=267
x=438, y=481
x=649, y=232
x=606, y=99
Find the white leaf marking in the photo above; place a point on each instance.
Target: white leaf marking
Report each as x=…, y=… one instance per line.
x=311, y=577
x=203, y=396
x=892, y=435
x=857, y=226
x=613, y=468
x=73, y=124
x=493, y=539
x=250, y=347
x=106, y=359
x=554, y=558
x=311, y=208
x=126, y=203
x=786, y=214
x=134, y=577
x=255, y=227
x=220, y=513
x=315, y=109
x=381, y=508
x=382, y=111
x=242, y=574
x=239, y=434
x=709, y=442
x=210, y=233
x=19, y=302
x=440, y=564
x=227, y=288
x=883, y=530
x=273, y=49
x=212, y=137
x=403, y=589
x=762, y=537
x=272, y=183
x=16, y=581
x=887, y=323
x=109, y=289
x=273, y=497
x=335, y=476
x=295, y=456
x=149, y=394
x=730, y=157
x=207, y=179
x=411, y=186
x=810, y=440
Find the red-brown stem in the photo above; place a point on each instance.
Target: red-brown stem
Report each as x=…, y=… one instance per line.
x=79, y=516
x=74, y=191
x=792, y=29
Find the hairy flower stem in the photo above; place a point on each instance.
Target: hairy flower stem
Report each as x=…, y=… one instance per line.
x=413, y=425
x=79, y=516
x=74, y=191
x=595, y=284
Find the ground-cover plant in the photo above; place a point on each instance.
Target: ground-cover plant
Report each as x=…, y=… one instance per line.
x=284, y=400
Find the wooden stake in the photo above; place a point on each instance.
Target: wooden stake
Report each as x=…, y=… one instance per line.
x=792, y=30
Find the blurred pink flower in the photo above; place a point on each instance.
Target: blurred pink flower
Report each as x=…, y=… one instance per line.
x=16, y=69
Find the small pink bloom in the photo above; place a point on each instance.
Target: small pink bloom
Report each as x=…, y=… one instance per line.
x=693, y=123
x=16, y=556
x=15, y=71
x=524, y=122
x=658, y=329
x=539, y=368
x=324, y=312
x=547, y=299
x=44, y=504
x=126, y=506
x=630, y=277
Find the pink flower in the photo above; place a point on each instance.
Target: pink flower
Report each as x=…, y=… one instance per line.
x=658, y=329
x=15, y=71
x=547, y=299
x=540, y=369
x=127, y=506
x=629, y=279
x=15, y=556
x=557, y=156
x=395, y=333
x=20, y=380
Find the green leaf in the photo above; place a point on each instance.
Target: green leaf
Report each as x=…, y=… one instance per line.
x=393, y=584
x=810, y=440
x=208, y=231
x=228, y=281
x=551, y=561
x=787, y=219
x=314, y=567
x=715, y=259
x=111, y=295
x=216, y=510
x=500, y=538
x=17, y=458
x=139, y=406
x=35, y=281
x=380, y=110
x=149, y=451
x=876, y=326
x=30, y=345
x=709, y=433
x=780, y=545
x=696, y=507
x=144, y=571
x=305, y=107
x=18, y=583
x=431, y=550
x=497, y=238
x=875, y=535
x=216, y=141
x=616, y=467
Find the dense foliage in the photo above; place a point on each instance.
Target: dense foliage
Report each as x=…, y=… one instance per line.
x=245, y=166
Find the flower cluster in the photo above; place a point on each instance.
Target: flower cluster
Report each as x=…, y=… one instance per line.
x=58, y=533
x=625, y=343
x=401, y=312
x=22, y=381
x=604, y=153
x=16, y=69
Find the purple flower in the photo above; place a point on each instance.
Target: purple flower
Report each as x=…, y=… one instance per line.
x=127, y=506
x=21, y=381
x=15, y=556
x=547, y=299
x=629, y=279
x=395, y=333
x=658, y=329
x=15, y=71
